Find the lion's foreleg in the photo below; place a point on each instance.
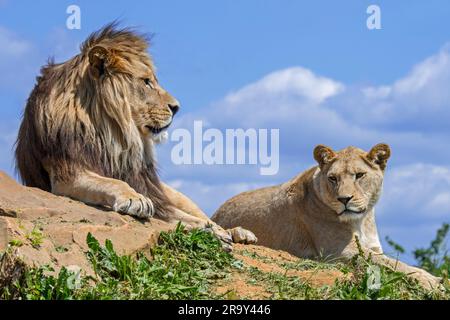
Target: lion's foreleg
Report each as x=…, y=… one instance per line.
x=91, y=188
x=182, y=202
x=193, y=222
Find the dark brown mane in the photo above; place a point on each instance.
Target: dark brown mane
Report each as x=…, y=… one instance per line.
x=72, y=122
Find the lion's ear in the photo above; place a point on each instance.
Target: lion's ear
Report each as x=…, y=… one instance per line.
x=323, y=155
x=379, y=155
x=99, y=59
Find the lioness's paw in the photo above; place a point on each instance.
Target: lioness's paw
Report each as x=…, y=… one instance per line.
x=135, y=205
x=427, y=280
x=241, y=235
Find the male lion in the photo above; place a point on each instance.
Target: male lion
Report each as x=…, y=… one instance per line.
x=89, y=129
x=320, y=211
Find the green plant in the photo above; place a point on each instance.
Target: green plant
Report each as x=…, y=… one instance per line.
x=36, y=237
x=38, y=285
x=16, y=243
x=435, y=258
x=394, y=245
x=370, y=281
x=182, y=267
x=186, y=265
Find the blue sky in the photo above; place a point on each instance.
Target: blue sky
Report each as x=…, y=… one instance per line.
x=386, y=85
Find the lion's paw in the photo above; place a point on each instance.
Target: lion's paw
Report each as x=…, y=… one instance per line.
x=135, y=205
x=241, y=235
x=224, y=236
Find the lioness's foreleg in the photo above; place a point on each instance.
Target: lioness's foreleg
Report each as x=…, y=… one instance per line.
x=91, y=188
x=424, y=278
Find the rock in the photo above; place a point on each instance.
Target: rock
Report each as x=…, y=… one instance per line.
x=38, y=228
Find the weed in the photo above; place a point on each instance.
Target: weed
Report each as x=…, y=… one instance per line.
x=36, y=237
x=15, y=243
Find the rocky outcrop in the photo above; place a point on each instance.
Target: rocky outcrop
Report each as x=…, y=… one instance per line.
x=39, y=228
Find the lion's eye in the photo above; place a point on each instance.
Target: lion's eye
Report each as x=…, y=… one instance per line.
x=148, y=83
x=359, y=175
x=332, y=179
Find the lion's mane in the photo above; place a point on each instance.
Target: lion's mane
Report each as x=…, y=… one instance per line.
x=72, y=122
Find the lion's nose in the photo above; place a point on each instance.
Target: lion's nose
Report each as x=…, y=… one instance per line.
x=345, y=199
x=174, y=108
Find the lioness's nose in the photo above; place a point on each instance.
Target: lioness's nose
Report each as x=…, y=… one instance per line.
x=174, y=108
x=345, y=199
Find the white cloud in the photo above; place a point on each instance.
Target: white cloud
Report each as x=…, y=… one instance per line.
x=12, y=46
x=296, y=81
x=418, y=101
x=425, y=74
x=440, y=203
x=418, y=192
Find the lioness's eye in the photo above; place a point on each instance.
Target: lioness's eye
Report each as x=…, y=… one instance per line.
x=333, y=179
x=359, y=175
x=148, y=83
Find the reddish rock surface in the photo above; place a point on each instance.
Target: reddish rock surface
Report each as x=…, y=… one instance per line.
x=41, y=228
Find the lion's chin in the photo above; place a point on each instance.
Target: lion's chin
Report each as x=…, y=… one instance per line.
x=160, y=137
x=156, y=134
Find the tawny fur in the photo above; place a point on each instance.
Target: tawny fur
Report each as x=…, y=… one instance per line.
x=304, y=216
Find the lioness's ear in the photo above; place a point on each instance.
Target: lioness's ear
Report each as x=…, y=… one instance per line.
x=323, y=155
x=379, y=155
x=99, y=59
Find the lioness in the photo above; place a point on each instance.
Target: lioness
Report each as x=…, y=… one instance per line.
x=320, y=211
x=90, y=125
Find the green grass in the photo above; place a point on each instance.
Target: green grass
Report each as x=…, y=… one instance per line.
x=182, y=267
x=16, y=243
x=391, y=285
x=187, y=265
x=356, y=286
